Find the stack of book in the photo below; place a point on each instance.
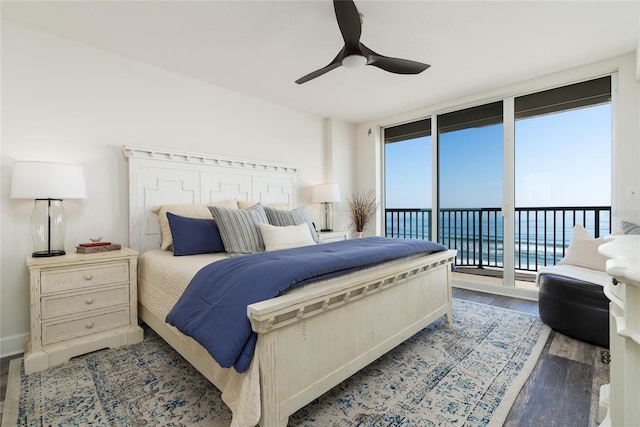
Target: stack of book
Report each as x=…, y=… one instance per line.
x=94, y=247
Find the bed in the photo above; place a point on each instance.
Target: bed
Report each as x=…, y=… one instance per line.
x=308, y=340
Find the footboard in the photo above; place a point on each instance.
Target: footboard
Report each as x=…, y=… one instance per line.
x=314, y=339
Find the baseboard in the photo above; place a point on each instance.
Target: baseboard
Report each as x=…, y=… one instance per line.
x=528, y=294
x=10, y=346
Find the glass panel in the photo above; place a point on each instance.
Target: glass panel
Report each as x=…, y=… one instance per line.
x=408, y=191
x=562, y=178
x=470, y=162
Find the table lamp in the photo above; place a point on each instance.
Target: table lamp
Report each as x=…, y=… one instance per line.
x=326, y=194
x=47, y=183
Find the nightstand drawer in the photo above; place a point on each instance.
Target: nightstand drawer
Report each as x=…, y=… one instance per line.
x=60, y=305
x=62, y=331
x=332, y=236
x=90, y=275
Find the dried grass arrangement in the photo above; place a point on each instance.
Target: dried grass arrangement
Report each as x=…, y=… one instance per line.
x=362, y=208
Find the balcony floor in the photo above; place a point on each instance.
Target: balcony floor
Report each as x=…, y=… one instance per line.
x=524, y=279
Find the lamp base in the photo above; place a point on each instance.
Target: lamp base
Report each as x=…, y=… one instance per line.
x=327, y=217
x=43, y=254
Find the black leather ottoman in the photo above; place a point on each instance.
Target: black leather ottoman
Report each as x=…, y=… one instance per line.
x=575, y=308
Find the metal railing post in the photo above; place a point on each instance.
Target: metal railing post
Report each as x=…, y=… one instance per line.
x=481, y=240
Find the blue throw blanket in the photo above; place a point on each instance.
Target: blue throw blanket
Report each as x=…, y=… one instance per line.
x=213, y=307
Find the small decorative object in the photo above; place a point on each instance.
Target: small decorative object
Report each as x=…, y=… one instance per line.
x=362, y=208
x=95, y=239
x=47, y=183
x=326, y=194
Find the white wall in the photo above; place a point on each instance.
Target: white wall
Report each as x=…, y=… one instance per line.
x=63, y=101
x=341, y=166
x=626, y=150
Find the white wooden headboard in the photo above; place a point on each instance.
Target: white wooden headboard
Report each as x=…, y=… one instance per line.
x=163, y=176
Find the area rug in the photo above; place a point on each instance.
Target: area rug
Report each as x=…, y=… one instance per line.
x=466, y=375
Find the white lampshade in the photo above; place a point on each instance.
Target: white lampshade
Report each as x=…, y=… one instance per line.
x=44, y=180
x=325, y=193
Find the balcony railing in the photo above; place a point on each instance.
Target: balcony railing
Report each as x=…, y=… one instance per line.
x=542, y=234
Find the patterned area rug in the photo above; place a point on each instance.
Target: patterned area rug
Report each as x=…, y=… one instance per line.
x=467, y=375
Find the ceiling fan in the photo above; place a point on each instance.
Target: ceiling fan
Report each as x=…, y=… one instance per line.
x=354, y=53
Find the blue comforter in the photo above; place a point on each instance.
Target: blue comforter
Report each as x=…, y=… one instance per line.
x=213, y=307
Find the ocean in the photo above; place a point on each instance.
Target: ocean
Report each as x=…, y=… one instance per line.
x=541, y=236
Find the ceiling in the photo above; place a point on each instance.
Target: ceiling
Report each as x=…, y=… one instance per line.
x=260, y=48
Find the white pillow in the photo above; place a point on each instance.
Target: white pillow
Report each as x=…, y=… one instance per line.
x=188, y=210
x=583, y=251
x=291, y=236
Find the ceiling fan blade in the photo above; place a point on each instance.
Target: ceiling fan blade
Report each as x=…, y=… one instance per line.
x=337, y=61
x=349, y=22
x=350, y=25
x=393, y=65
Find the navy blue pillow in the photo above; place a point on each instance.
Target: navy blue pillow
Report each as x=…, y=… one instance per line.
x=193, y=236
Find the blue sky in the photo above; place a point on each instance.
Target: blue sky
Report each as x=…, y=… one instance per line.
x=562, y=159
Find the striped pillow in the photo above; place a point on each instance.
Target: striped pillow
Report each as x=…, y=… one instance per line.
x=628, y=227
x=280, y=218
x=239, y=228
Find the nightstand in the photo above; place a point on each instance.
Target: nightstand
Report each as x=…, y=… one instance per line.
x=332, y=236
x=81, y=303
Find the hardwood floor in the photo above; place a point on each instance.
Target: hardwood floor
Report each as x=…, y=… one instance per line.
x=4, y=374
x=562, y=390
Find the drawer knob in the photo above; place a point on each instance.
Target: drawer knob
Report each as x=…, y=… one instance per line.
x=88, y=276
x=88, y=325
x=89, y=301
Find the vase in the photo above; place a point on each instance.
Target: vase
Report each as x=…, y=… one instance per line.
x=358, y=234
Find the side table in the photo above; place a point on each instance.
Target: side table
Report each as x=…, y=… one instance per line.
x=81, y=303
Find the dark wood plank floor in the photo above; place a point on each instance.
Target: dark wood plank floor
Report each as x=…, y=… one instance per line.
x=562, y=390
x=4, y=374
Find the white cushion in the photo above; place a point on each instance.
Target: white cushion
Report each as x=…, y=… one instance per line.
x=285, y=217
x=188, y=210
x=579, y=273
x=291, y=236
x=583, y=251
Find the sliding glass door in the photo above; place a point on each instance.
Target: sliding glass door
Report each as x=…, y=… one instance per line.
x=470, y=186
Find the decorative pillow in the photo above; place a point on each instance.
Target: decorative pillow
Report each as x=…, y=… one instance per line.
x=244, y=205
x=239, y=228
x=291, y=236
x=630, y=228
x=583, y=250
x=188, y=210
x=297, y=216
x=192, y=236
